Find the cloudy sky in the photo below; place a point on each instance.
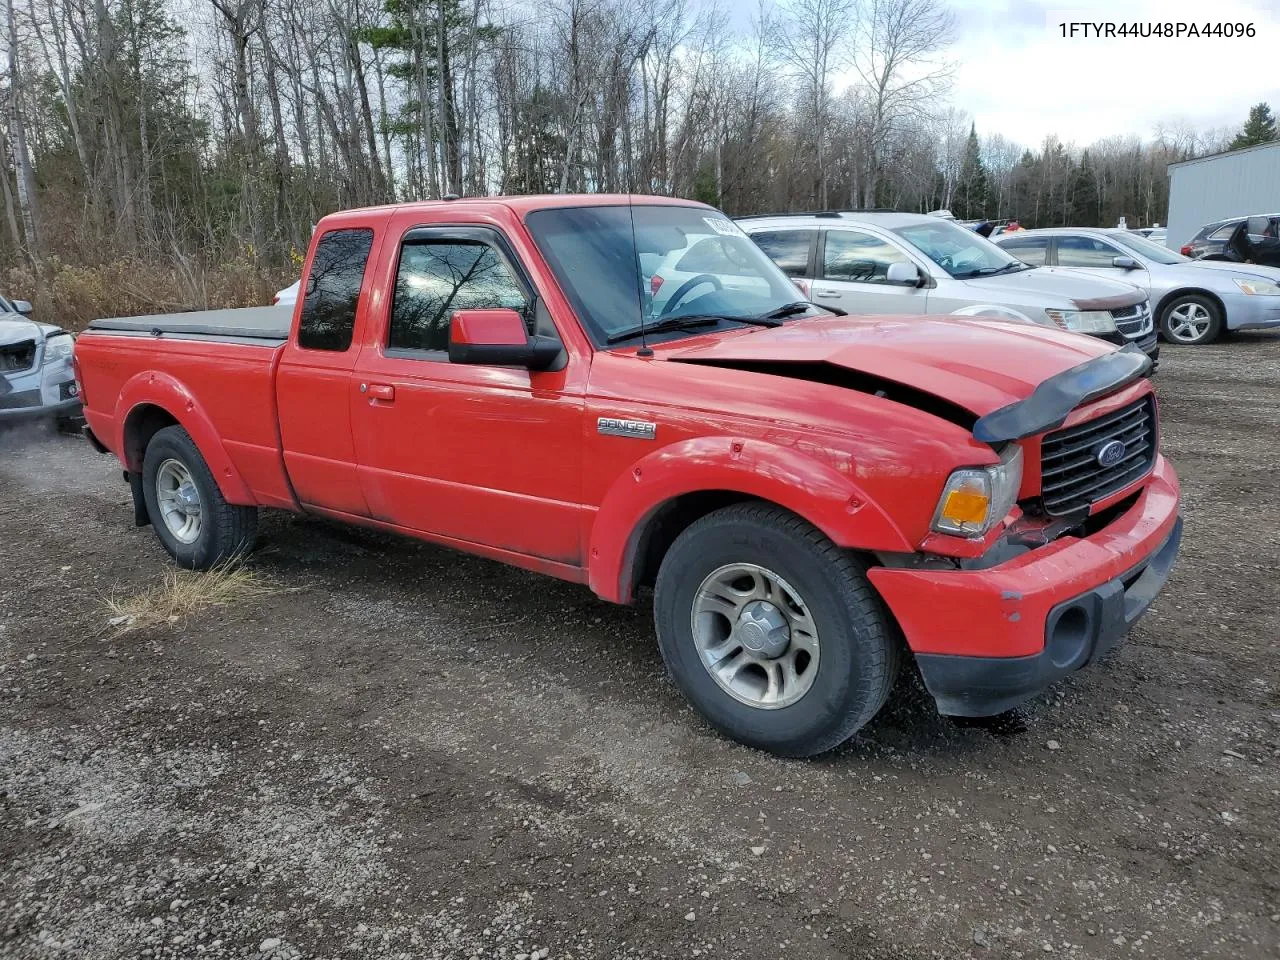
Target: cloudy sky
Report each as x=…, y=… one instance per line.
x=1018, y=76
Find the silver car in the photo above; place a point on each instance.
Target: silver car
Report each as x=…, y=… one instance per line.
x=868, y=263
x=37, y=381
x=1195, y=300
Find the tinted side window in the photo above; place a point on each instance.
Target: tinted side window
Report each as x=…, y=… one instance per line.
x=860, y=257
x=1031, y=250
x=789, y=249
x=1225, y=231
x=333, y=290
x=1085, y=252
x=437, y=277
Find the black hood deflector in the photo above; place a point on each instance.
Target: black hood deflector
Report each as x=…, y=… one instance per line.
x=1051, y=402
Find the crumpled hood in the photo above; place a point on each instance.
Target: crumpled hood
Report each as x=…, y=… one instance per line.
x=17, y=330
x=979, y=364
x=1083, y=289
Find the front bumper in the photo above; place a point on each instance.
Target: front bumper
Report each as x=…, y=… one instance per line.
x=985, y=640
x=70, y=409
x=1251, y=313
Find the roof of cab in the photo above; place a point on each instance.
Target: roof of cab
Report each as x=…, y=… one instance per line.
x=519, y=205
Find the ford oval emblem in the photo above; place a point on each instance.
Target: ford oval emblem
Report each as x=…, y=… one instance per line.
x=1110, y=453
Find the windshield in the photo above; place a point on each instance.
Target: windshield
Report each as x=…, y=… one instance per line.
x=682, y=262
x=1150, y=250
x=960, y=252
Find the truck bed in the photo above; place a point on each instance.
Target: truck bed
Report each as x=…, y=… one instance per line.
x=270, y=324
x=195, y=364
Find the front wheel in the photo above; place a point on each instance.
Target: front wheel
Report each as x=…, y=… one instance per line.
x=1191, y=320
x=772, y=631
x=189, y=513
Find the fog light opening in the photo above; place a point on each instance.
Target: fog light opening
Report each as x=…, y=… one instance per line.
x=1068, y=640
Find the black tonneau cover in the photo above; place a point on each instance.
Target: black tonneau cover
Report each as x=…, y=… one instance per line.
x=245, y=323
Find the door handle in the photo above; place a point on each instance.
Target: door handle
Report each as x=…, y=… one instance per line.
x=825, y=292
x=379, y=391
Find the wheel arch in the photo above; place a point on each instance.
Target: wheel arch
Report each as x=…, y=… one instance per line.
x=1172, y=295
x=652, y=503
x=152, y=401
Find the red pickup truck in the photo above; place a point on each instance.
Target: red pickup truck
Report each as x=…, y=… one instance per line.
x=812, y=497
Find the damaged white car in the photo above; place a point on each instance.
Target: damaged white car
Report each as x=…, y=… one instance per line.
x=37, y=381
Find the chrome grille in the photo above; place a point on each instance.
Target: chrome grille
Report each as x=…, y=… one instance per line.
x=1071, y=476
x=1134, y=322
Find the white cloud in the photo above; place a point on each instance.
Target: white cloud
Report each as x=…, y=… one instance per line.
x=1017, y=75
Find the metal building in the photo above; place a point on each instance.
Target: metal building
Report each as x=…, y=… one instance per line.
x=1236, y=183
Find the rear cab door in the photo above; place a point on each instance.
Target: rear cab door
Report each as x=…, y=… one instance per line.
x=469, y=453
x=315, y=373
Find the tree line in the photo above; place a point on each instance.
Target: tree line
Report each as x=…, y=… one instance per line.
x=186, y=134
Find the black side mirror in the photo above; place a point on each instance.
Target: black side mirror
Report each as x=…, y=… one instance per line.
x=498, y=338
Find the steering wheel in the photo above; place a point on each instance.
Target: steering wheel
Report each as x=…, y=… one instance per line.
x=685, y=287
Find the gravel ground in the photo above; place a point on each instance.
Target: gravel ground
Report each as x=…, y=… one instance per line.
x=407, y=753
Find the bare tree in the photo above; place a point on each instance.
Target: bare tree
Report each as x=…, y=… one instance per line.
x=813, y=38
x=896, y=58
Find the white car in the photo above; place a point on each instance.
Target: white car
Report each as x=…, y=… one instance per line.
x=288, y=296
x=703, y=263
x=910, y=263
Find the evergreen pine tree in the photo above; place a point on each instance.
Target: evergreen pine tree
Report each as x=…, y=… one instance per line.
x=1259, y=128
x=972, y=187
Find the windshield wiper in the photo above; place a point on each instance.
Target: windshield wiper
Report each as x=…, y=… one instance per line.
x=988, y=271
x=660, y=326
x=786, y=310
x=774, y=318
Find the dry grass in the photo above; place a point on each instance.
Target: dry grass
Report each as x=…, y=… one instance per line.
x=71, y=296
x=184, y=593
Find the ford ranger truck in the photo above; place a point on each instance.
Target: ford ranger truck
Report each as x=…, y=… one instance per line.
x=812, y=498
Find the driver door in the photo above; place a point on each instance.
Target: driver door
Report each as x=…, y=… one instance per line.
x=852, y=274
x=477, y=453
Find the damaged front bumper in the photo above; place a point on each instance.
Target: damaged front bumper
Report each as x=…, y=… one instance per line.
x=987, y=639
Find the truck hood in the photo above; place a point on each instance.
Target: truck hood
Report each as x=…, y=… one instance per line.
x=1085, y=290
x=18, y=329
x=978, y=364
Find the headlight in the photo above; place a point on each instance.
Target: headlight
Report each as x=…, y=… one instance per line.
x=1083, y=321
x=58, y=347
x=1259, y=288
x=974, y=499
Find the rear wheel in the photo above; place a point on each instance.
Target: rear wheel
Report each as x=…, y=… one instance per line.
x=1191, y=320
x=772, y=631
x=189, y=513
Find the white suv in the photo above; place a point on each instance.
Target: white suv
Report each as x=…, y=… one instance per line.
x=894, y=263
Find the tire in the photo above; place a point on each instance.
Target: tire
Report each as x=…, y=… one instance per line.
x=1191, y=320
x=857, y=646
x=224, y=531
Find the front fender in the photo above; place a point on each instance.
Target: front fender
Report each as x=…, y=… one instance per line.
x=151, y=388
x=798, y=480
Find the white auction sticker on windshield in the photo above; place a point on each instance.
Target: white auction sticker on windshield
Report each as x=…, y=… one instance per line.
x=724, y=227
